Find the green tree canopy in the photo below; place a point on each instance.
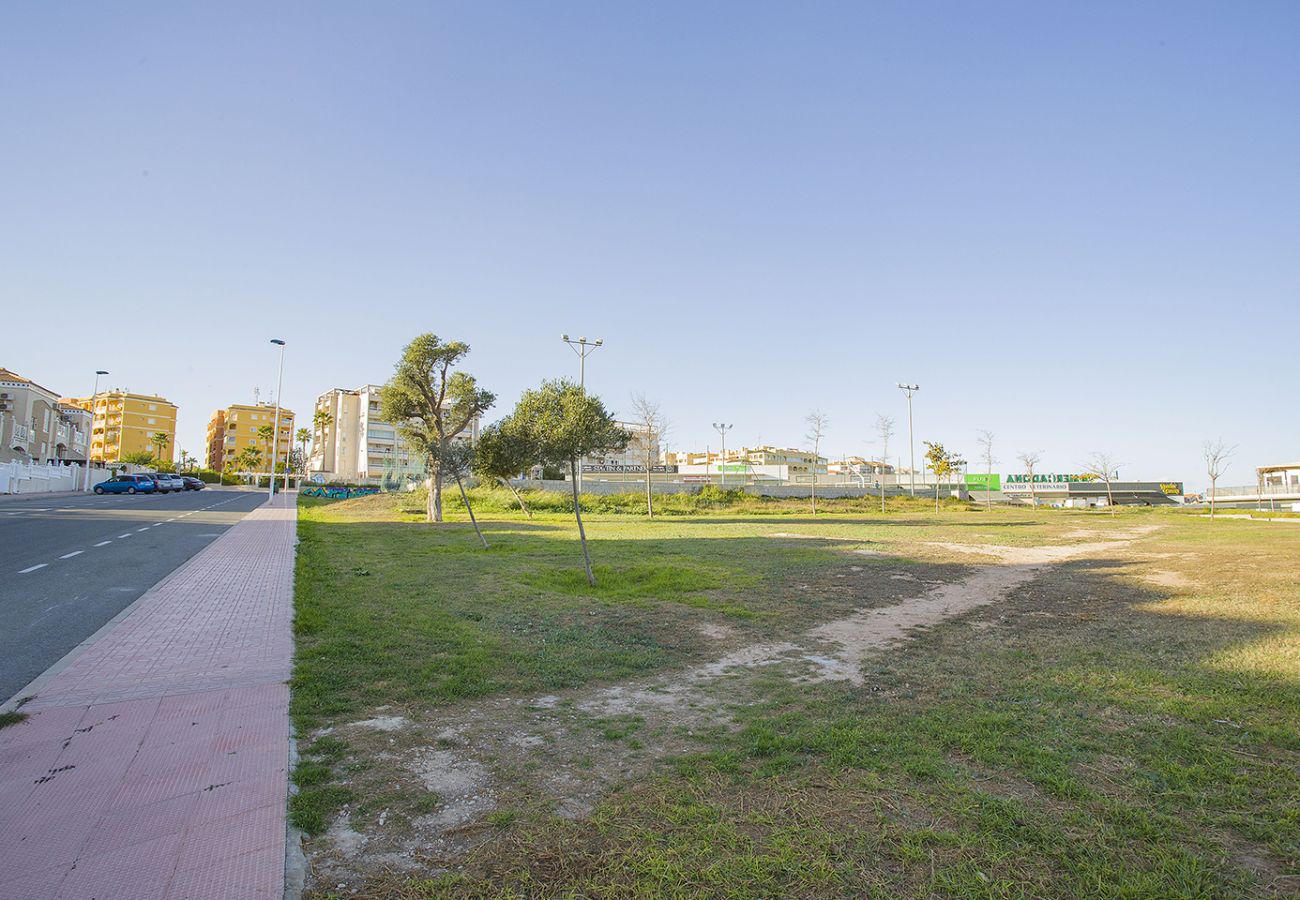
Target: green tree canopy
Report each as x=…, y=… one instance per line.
x=560, y=423
x=433, y=405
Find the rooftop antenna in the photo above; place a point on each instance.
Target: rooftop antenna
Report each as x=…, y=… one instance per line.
x=257, y=395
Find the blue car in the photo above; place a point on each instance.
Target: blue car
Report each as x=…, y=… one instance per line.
x=126, y=484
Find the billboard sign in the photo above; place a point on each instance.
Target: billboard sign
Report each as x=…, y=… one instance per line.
x=983, y=482
x=620, y=469
x=1049, y=482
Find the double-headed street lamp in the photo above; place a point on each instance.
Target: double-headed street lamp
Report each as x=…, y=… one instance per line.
x=583, y=348
x=722, y=430
x=911, y=444
x=90, y=438
x=275, y=433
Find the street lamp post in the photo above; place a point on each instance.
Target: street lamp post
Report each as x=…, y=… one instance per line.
x=583, y=348
x=911, y=443
x=722, y=466
x=275, y=432
x=90, y=438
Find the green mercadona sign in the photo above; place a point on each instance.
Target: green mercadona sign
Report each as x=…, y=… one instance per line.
x=983, y=482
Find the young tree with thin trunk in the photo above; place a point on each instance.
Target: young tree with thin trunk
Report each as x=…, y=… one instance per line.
x=985, y=442
x=1030, y=460
x=817, y=424
x=1103, y=466
x=503, y=453
x=432, y=405
x=457, y=462
x=1216, y=455
x=942, y=464
x=563, y=424
x=884, y=428
x=654, y=425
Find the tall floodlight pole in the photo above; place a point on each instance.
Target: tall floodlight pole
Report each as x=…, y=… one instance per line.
x=91, y=437
x=911, y=443
x=583, y=348
x=275, y=431
x=722, y=430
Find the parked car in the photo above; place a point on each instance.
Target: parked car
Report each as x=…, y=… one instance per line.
x=192, y=483
x=126, y=484
x=165, y=482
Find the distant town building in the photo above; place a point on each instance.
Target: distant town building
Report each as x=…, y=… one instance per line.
x=352, y=443
x=631, y=458
x=239, y=426
x=36, y=426
x=124, y=423
x=1284, y=475
x=856, y=466
x=792, y=462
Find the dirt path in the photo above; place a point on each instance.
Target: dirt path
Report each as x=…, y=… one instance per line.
x=506, y=753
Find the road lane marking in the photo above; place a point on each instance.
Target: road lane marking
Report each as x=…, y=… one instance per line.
x=128, y=534
x=145, y=528
x=33, y=568
x=102, y=543
x=156, y=524
x=72, y=554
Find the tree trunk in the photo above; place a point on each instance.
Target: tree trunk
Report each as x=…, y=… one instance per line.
x=649, y=495
x=1212, y=481
x=577, y=512
x=469, y=509
x=814, y=484
x=1110, y=498
x=522, y=505
x=882, y=493
x=435, y=495
x=936, y=491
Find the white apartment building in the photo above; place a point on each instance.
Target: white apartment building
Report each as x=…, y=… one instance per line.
x=355, y=445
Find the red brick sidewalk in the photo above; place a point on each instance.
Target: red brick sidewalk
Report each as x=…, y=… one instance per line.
x=155, y=764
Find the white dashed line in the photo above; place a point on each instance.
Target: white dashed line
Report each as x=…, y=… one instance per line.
x=72, y=554
x=156, y=524
x=33, y=568
x=102, y=543
x=127, y=535
x=145, y=528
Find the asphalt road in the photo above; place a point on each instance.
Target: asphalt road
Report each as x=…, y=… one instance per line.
x=69, y=564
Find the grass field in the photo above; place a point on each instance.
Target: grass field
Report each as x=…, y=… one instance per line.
x=754, y=702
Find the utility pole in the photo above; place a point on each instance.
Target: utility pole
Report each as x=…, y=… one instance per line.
x=90, y=438
x=722, y=466
x=583, y=348
x=911, y=443
x=275, y=431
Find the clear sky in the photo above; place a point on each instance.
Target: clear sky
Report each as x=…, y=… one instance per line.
x=1078, y=228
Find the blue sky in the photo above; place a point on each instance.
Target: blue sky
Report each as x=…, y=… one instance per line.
x=1077, y=228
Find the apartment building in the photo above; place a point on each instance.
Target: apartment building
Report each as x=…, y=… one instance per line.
x=123, y=423
x=243, y=425
x=793, y=462
x=631, y=457
x=352, y=443
x=36, y=426
x=856, y=466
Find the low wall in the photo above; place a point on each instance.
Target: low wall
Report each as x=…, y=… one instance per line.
x=827, y=491
x=24, y=478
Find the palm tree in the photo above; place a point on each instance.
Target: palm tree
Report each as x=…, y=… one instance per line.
x=303, y=435
x=160, y=439
x=322, y=420
x=266, y=432
x=250, y=458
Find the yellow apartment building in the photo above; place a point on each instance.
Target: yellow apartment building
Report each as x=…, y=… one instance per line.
x=123, y=423
x=236, y=427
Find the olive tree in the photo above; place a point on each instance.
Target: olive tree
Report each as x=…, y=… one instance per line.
x=502, y=453
x=562, y=424
x=432, y=405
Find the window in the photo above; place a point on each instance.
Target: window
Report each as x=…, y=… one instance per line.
x=152, y=420
x=153, y=407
